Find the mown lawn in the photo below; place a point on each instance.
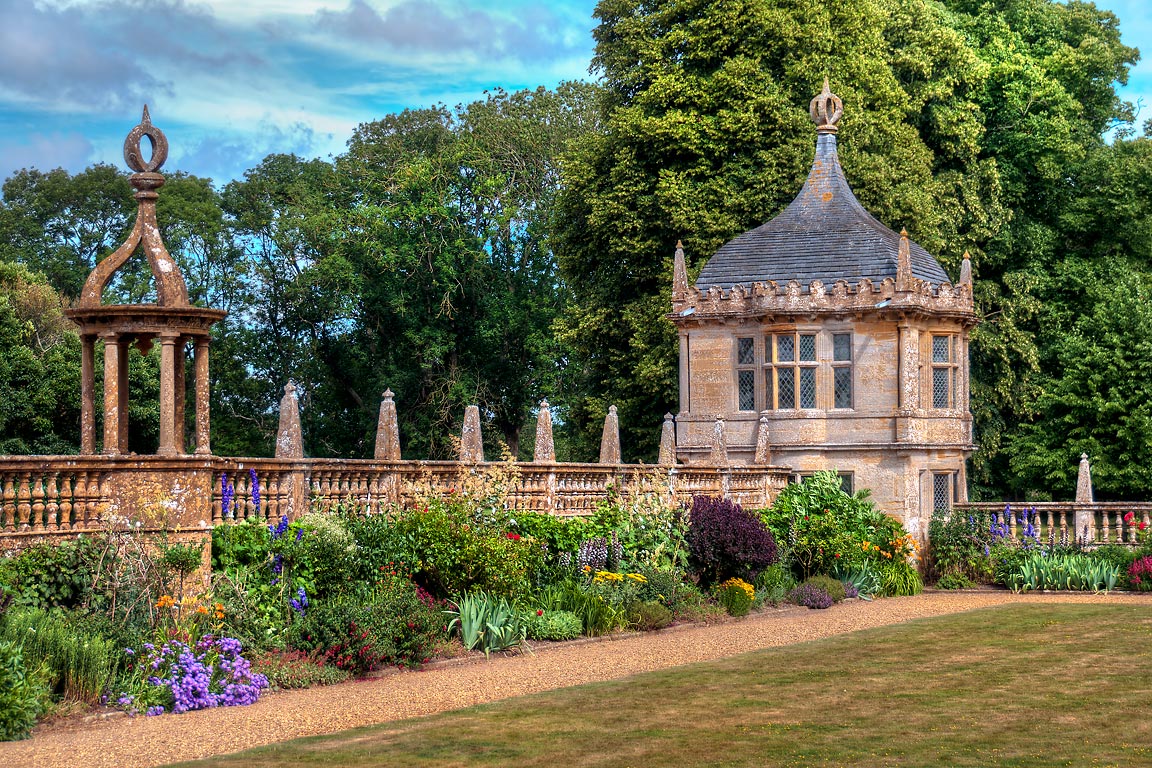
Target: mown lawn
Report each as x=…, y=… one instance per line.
x=1021, y=685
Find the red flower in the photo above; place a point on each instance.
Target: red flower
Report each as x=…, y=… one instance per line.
x=837, y=554
x=539, y=612
x=1129, y=517
x=1142, y=525
x=513, y=536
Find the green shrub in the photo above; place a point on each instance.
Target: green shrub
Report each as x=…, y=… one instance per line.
x=553, y=625
x=661, y=585
x=451, y=552
x=79, y=665
x=692, y=605
x=51, y=575
x=958, y=545
x=899, y=579
x=23, y=694
x=865, y=577
x=736, y=595
x=241, y=544
x=1118, y=555
x=773, y=584
x=294, y=669
x=597, y=616
x=833, y=587
x=1074, y=571
x=392, y=624
x=649, y=615
x=954, y=581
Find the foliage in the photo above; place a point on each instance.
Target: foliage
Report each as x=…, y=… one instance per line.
x=486, y=622
x=50, y=575
x=954, y=581
x=1064, y=571
x=736, y=595
x=1140, y=574
x=834, y=587
x=23, y=694
x=598, y=616
x=827, y=529
x=1119, y=555
x=78, y=665
x=898, y=578
x=773, y=584
x=175, y=677
x=395, y=623
x=958, y=545
x=865, y=578
x=552, y=625
x=648, y=526
x=810, y=596
x=649, y=615
x=242, y=544
x=293, y=669
x=725, y=541
x=660, y=585
x=451, y=551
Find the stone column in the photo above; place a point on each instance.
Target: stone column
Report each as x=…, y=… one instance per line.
x=718, y=456
x=545, y=449
x=387, y=431
x=87, y=395
x=763, y=443
x=167, y=394
x=203, y=438
x=610, y=438
x=112, y=415
x=668, y=442
x=122, y=391
x=471, y=439
x=181, y=375
x=909, y=383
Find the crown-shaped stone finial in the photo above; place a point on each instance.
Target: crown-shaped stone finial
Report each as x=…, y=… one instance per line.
x=826, y=110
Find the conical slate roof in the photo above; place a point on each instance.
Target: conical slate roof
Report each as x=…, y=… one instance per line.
x=824, y=234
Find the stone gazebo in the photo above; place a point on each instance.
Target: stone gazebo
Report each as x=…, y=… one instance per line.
x=825, y=340
x=171, y=320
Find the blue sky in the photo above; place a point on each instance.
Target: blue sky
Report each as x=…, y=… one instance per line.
x=230, y=81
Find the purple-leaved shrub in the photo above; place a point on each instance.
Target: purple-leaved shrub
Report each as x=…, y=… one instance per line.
x=725, y=542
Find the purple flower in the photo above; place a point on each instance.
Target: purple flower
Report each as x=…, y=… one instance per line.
x=255, y=490
x=300, y=602
x=227, y=491
x=299, y=534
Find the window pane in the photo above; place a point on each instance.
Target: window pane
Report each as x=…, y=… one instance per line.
x=785, y=349
x=843, y=387
x=941, y=493
x=807, y=387
x=846, y=482
x=768, y=389
x=941, y=391
x=786, y=379
x=808, y=349
x=747, y=384
x=842, y=347
x=746, y=352
x=940, y=350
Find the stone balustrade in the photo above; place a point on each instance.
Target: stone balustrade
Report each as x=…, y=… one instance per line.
x=1069, y=521
x=47, y=496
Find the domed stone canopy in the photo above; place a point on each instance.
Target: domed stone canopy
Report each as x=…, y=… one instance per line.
x=824, y=234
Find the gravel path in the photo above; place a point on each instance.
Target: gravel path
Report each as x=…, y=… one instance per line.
x=150, y=741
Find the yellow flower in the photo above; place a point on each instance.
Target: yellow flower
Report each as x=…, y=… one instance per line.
x=638, y=578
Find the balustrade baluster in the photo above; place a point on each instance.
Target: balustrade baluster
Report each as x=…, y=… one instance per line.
x=1103, y=527
x=37, y=520
x=1146, y=521
x=241, y=499
x=23, y=502
x=65, y=514
x=9, y=505
x=80, y=502
x=52, y=505
x=1119, y=527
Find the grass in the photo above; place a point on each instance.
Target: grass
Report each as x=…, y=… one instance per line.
x=1013, y=686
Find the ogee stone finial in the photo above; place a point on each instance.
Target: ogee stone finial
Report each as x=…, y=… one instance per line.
x=826, y=109
x=610, y=439
x=545, y=448
x=668, y=442
x=387, y=430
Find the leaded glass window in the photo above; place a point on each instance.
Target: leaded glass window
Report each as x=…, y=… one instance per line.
x=942, y=491
x=746, y=374
x=841, y=370
x=746, y=351
x=943, y=371
x=807, y=387
x=786, y=387
x=790, y=375
x=747, y=385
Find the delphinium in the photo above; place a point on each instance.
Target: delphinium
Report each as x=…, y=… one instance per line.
x=227, y=492
x=255, y=483
x=178, y=678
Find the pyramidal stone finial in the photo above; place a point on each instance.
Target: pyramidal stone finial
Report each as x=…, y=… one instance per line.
x=679, y=272
x=904, y=263
x=471, y=440
x=966, y=270
x=1084, y=481
x=387, y=430
x=610, y=439
x=289, y=439
x=826, y=110
x=545, y=450
x=668, y=442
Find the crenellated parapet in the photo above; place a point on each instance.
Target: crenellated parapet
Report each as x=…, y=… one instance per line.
x=765, y=299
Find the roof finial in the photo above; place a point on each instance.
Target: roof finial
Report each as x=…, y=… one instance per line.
x=146, y=119
x=904, y=280
x=966, y=270
x=826, y=110
x=679, y=273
